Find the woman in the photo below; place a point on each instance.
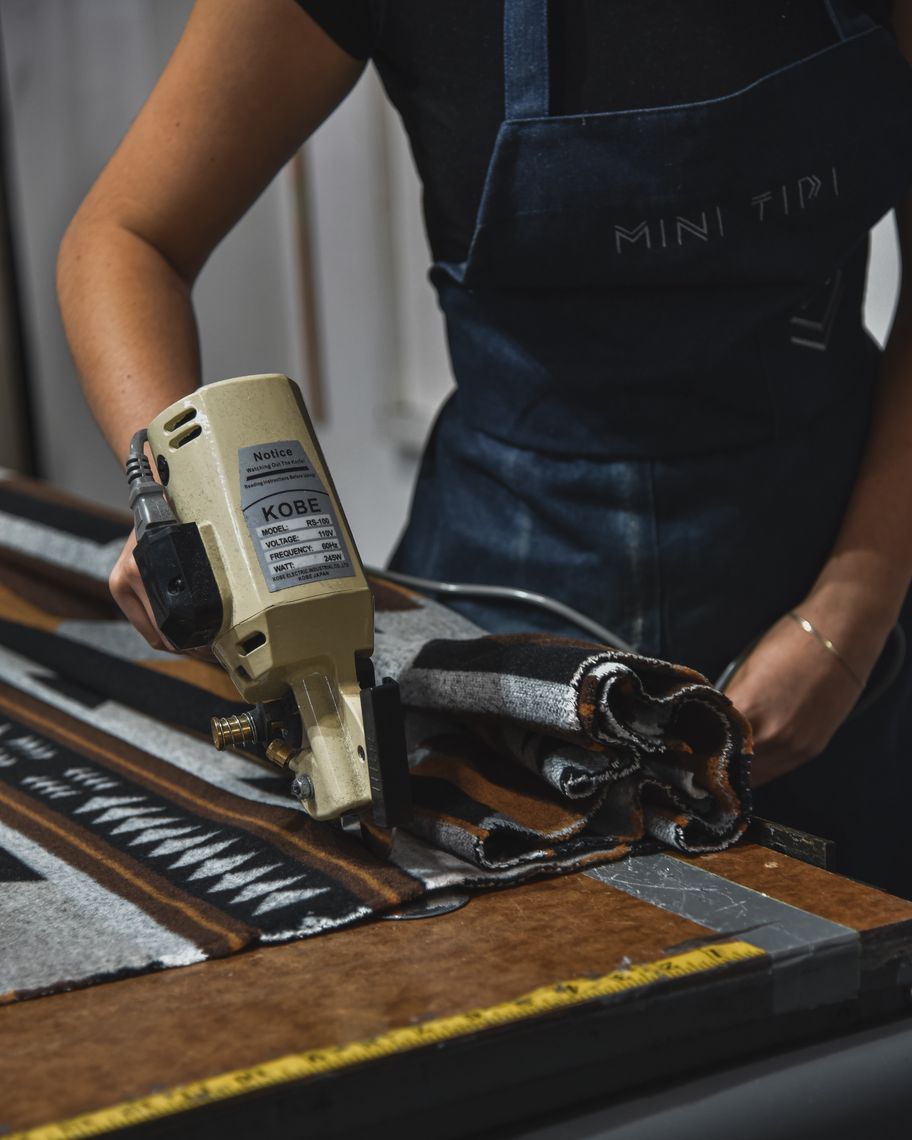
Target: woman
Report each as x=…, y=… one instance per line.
x=668, y=413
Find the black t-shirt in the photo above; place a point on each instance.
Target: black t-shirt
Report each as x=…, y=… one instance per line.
x=441, y=62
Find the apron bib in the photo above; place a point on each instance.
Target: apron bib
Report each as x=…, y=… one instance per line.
x=663, y=380
x=655, y=335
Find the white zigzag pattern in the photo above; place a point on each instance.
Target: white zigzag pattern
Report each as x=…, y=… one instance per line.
x=91, y=779
x=33, y=746
x=47, y=786
x=141, y=824
x=153, y=835
x=213, y=867
x=99, y=803
x=256, y=889
x=201, y=854
x=235, y=879
x=279, y=899
x=192, y=844
x=173, y=846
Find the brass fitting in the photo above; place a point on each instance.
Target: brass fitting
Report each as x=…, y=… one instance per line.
x=280, y=753
x=233, y=730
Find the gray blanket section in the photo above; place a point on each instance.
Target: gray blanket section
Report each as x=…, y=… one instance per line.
x=62, y=926
x=94, y=559
x=500, y=694
x=400, y=634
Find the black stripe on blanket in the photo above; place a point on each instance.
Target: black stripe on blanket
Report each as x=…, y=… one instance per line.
x=58, y=516
x=243, y=875
x=112, y=678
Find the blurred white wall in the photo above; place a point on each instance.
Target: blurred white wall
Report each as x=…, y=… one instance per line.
x=76, y=75
x=883, y=278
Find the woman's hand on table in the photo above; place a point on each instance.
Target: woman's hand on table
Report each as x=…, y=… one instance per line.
x=795, y=692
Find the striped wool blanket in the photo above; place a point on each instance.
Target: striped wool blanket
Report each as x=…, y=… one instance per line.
x=127, y=843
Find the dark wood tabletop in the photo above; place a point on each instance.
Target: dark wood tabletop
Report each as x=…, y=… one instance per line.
x=75, y=1053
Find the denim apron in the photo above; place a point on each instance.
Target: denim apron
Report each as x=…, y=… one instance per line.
x=663, y=381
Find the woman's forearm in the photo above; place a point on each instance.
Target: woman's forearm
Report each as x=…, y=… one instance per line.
x=872, y=559
x=794, y=692
x=248, y=82
x=874, y=548
x=864, y=581
x=862, y=585
x=130, y=322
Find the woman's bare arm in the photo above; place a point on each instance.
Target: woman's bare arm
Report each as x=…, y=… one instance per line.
x=248, y=82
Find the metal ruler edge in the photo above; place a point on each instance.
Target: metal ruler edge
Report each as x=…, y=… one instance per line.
x=315, y=1062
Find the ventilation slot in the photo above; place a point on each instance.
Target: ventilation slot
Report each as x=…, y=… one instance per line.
x=254, y=641
x=180, y=419
x=187, y=436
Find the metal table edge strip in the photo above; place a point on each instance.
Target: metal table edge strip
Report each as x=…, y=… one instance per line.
x=813, y=961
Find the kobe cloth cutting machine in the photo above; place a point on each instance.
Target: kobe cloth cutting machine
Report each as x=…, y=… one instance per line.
x=242, y=545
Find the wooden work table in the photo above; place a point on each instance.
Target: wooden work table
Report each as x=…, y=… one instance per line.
x=823, y=955
x=80, y=1052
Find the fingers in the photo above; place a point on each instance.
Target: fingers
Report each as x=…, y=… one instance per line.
x=795, y=696
x=790, y=731
x=770, y=763
x=129, y=593
x=787, y=738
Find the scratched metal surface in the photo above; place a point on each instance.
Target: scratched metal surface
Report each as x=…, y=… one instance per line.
x=813, y=961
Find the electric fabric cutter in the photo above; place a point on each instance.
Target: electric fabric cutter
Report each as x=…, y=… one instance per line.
x=243, y=546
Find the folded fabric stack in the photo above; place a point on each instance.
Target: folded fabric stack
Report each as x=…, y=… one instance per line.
x=540, y=751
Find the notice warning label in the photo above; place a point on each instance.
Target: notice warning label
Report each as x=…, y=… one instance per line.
x=290, y=516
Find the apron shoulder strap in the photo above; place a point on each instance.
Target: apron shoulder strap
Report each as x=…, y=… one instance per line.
x=527, y=85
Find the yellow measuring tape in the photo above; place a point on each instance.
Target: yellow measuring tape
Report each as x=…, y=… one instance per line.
x=297, y=1066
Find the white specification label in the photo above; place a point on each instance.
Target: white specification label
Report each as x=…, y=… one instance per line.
x=290, y=516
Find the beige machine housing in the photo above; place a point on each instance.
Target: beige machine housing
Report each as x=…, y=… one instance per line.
x=301, y=636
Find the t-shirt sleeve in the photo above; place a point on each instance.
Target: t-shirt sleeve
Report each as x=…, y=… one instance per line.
x=349, y=22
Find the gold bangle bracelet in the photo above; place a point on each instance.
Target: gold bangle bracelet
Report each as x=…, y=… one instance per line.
x=827, y=645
